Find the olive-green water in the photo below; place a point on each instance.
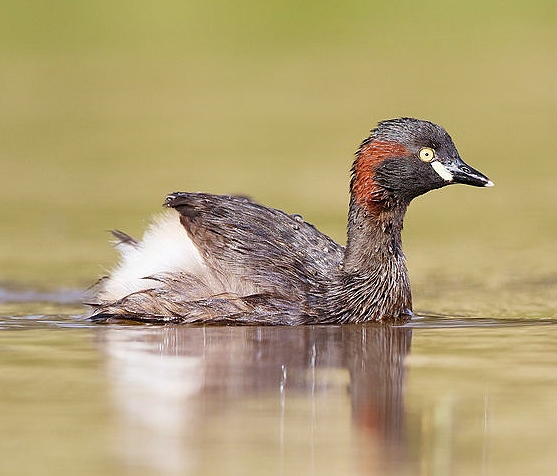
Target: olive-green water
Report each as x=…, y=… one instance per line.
x=106, y=106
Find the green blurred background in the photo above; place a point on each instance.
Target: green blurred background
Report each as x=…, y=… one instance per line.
x=107, y=106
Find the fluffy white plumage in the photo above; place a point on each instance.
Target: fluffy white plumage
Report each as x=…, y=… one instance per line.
x=165, y=247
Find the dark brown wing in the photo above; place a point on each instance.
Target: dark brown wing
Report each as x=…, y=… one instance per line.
x=276, y=251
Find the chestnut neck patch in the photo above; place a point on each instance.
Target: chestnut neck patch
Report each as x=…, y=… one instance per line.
x=365, y=190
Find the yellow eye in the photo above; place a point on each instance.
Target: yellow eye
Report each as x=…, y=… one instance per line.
x=427, y=154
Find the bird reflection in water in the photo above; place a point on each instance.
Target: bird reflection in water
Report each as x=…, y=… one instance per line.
x=309, y=400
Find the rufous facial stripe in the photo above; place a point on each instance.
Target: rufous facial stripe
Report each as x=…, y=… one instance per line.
x=364, y=188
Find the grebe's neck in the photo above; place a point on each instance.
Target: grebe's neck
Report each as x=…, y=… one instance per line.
x=373, y=283
x=374, y=236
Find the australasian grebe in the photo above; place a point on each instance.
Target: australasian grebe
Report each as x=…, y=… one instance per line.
x=225, y=259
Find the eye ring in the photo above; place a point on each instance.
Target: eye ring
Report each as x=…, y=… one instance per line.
x=427, y=154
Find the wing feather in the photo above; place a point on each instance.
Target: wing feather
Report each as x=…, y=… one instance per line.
x=272, y=249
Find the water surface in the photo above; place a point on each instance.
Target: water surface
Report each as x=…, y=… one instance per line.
x=441, y=395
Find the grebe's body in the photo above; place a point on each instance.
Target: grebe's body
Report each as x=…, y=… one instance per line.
x=224, y=259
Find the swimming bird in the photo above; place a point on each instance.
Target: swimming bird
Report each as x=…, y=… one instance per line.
x=228, y=260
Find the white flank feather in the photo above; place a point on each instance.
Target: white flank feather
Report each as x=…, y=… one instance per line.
x=165, y=248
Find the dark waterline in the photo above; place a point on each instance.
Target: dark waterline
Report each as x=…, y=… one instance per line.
x=63, y=298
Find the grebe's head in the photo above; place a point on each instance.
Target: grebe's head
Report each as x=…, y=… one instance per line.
x=404, y=158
